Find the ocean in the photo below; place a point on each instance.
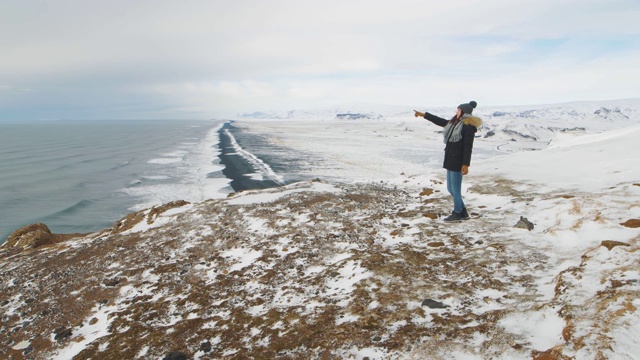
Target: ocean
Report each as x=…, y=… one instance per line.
x=82, y=176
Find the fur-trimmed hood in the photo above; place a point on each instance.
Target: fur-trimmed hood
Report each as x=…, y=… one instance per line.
x=472, y=120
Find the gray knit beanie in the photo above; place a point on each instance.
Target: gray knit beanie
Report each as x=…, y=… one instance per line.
x=468, y=108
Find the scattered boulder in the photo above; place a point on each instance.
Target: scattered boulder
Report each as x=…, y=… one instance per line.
x=175, y=355
x=30, y=236
x=62, y=333
x=111, y=282
x=631, y=223
x=610, y=244
x=27, y=350
x=523, y=223
x=489, y=133
x=432, y=304
x=205, y=346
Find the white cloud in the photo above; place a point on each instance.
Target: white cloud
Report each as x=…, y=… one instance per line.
x=222, y=54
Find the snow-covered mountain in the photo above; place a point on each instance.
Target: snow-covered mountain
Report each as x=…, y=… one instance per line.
x=532, y=126
x=358, y=263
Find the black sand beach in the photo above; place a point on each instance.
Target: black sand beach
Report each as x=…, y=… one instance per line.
x=238, y=168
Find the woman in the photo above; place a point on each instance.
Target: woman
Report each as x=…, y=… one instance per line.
x=458, y=137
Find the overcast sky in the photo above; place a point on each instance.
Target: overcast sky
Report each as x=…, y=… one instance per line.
x=79, y=59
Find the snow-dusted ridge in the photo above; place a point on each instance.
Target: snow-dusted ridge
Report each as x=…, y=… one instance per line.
x=330, y=269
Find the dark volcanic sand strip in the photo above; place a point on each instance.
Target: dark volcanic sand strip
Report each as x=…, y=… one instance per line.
x=236, y=167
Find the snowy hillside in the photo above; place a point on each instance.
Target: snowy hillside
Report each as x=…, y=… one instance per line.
x=359, y=264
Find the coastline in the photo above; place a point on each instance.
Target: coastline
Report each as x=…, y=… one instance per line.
x=152, y=180
x=97, y=172
x=245, y=170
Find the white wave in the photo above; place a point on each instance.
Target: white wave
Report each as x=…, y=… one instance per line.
x=170, y=160
x=155, y=177
x=256, y=176
x=189, y=175
x=260, y=166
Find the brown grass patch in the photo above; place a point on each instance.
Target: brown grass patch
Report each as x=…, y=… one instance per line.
x=610, y=244
x=426, y=192
x=430, y=215
x=631, y=223
x=551, y=354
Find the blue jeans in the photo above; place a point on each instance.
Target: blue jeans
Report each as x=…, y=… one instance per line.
x=454, y=185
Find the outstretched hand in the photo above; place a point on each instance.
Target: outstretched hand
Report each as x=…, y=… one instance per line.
x=418, y=113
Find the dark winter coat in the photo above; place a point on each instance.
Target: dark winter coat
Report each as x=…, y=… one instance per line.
x=458, y=153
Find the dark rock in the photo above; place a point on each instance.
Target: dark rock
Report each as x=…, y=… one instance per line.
x=377, y=338
x=205, y=346
x=103, y=302
x=27, y=350
x=62, y=333
x=432, y=304
x=489, y=134
x=175, y=355
x=4, y=302
x=112, y=282
x=523, y=223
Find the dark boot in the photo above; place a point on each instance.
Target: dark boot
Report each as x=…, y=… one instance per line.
x=464, y=214
x=455, y=216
